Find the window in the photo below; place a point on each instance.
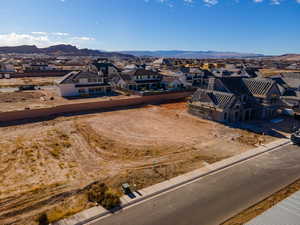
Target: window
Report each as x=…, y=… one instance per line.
x=273, y=100
x=81, y=91
x=225, y=116
x=83, y=80
x=98, y=89
x=92, y=80
x=244, y=98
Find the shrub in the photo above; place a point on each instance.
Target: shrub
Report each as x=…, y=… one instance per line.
x=43, y=219
x=111, y=200
x=96, y=192
x=102, y=195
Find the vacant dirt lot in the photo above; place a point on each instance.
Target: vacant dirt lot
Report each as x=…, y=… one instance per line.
x=44, y=98
x=40, y=81
x=45, y=166
x=271, y=72
x=10, y=101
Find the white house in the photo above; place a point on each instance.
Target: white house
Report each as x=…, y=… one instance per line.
x=80, y=83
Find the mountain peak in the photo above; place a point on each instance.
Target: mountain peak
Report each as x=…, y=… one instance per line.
x=60, y=49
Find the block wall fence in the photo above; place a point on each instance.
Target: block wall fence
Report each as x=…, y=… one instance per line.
x=90, y=106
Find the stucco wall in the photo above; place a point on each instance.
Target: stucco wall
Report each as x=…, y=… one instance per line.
x=81, y=107
x=67, y=90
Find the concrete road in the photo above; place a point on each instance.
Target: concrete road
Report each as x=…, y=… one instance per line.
x=217, y=197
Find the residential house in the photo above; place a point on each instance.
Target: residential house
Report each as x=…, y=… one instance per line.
x=172, y=83
x=5, y=67
x=289, y=86
x=105, y=69
x=234, y=99
x=73, y=65
x=138, y=80
x=194, y=77
x=38, y=67
x=83, y=83
x=161, y=63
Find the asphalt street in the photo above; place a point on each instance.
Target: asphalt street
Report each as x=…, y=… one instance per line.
x=217, y=197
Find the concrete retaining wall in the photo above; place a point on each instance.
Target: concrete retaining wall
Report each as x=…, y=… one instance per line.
x=81, y=107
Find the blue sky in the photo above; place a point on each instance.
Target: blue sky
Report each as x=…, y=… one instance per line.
x=260, y=26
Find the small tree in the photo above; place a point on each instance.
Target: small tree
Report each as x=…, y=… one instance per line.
x=111, y=200
x=97, y=192
x=102, y=195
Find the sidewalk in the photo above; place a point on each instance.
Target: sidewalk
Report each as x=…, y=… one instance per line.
x=91, y=214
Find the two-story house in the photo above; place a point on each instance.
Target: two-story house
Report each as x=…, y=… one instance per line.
x=83, y=83
x=194, y=77
x=138, y=80
x=106, y=69
x=233, y=99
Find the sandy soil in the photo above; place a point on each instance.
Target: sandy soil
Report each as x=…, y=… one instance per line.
x=40, y=81
x=44, y=98
x=45, y=165
x=271, y=72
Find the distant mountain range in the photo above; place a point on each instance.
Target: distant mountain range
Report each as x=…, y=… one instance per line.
x=191, y=54
x=287, y=57
x=70, y=50
x=65, y=50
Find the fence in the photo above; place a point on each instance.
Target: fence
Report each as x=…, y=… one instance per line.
x=91, y=106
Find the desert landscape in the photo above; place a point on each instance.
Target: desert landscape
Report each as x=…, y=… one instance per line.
x=38, y=81
x=46, y=166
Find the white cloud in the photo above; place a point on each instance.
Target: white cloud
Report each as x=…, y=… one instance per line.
x=83, y=38
x=39, y=33
x=13, y=39
x=189, y=1
x=275, y=2
x=42, y=39
x=60, y=34
x=210, y=2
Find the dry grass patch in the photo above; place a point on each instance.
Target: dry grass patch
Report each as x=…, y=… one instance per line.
x=57, y=141
x=252, y=139
x=68, y=207
x=150, y=174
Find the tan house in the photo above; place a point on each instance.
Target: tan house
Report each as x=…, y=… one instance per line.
x=234, y=99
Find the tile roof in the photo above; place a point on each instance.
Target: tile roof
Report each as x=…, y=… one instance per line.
x=249, y=86
x=128, y=76
x=259, y=87
x=140, y=72
x=215, y=98
x=104, y=67
x=73, y=77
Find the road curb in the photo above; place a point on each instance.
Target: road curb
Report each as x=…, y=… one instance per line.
x=95, y=213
